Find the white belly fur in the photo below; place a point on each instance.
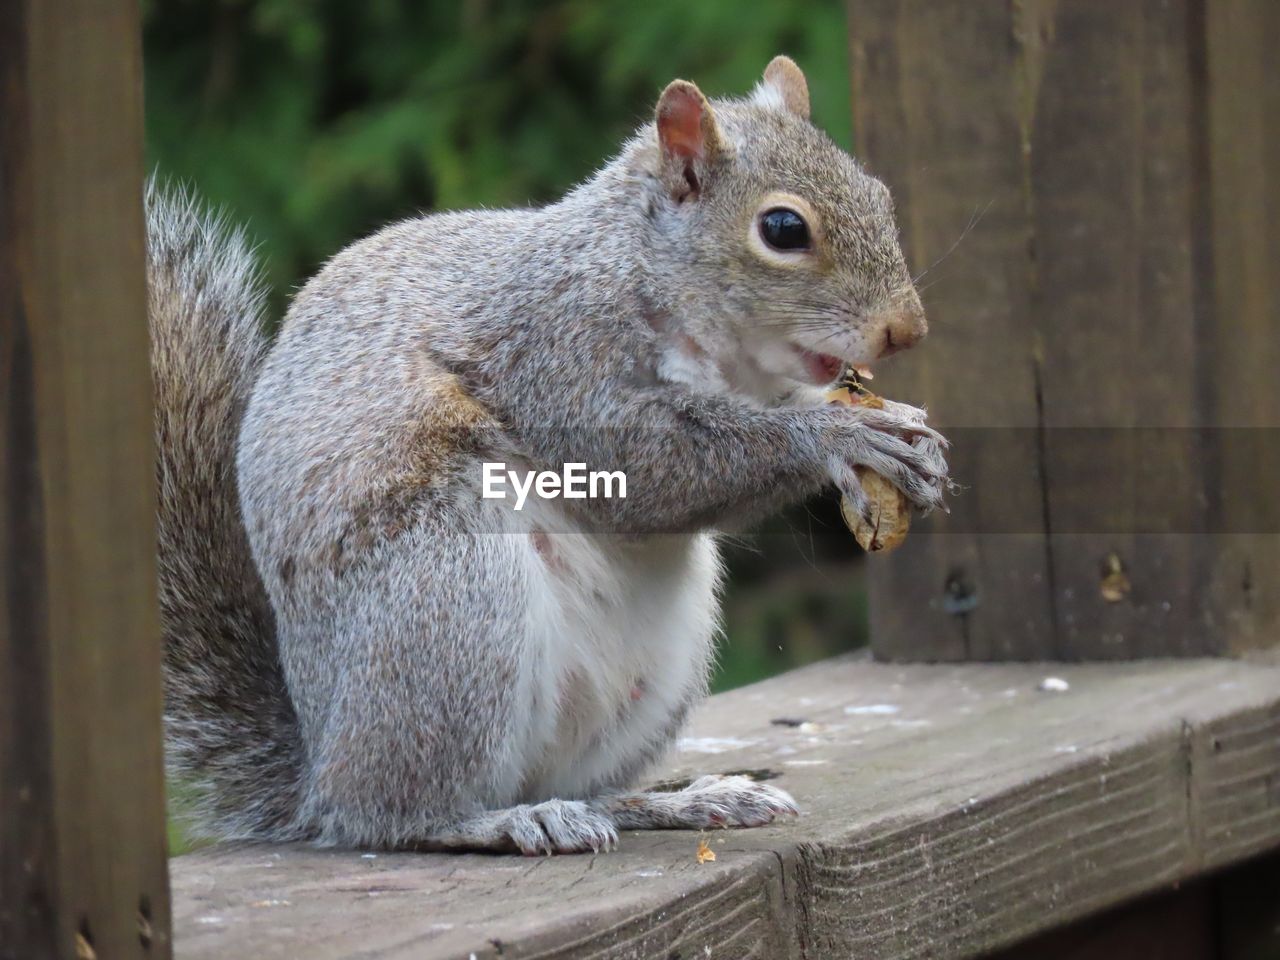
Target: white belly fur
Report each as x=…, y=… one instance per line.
x=622, y=633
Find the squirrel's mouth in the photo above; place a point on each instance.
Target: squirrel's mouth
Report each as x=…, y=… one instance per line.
x=825, y=368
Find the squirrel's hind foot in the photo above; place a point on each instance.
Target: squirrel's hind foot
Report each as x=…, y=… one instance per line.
x=710, y=801
x=576, y=826
x=553, y=826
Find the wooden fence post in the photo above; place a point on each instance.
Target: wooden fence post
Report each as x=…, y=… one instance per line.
x=1105, y=332
x=82, y=821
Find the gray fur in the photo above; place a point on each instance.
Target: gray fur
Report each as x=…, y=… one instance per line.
x=229, y=722
x=427, y=669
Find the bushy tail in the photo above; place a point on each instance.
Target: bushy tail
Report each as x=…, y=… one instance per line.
x=229, y=724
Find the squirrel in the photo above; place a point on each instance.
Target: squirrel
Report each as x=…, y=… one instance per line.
x=362, y=651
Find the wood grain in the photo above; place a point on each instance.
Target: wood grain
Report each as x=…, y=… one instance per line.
x=936, y=117
x=1242, y=346
x=1228, y=915
x=1112, y=171
x=82, y=849
x=1102, y=334
x=1177, y=925
x=948, y=811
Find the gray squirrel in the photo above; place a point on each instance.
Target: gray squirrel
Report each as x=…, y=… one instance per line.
x=362, y=651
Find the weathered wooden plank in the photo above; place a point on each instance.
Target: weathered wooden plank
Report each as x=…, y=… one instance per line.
x=1179, y=925
x=82, y=858
x=948, y=811
x=1107, y=329
x=1112, y=173
x=937, y=118
x=1242, y=346
x=1231, y=915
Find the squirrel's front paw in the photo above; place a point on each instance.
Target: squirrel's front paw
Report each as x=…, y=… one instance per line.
x=894, y=442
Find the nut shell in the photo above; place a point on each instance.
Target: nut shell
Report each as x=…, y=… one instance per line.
x=889, y=514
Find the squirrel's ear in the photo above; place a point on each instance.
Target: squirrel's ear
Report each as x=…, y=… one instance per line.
x=785, y=82
x=687, y=136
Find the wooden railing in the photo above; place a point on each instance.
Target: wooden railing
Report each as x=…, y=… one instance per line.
x=948, y=810
x=1091, y=189
x=1118, y=162
x=82, y=846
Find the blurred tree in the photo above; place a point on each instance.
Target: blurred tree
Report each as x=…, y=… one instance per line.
x=317, y=121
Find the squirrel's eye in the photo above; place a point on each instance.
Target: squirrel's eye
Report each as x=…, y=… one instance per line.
x=784, y=229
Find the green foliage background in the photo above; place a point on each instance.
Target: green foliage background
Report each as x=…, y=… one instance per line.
x=319, y=120
x=316, y=121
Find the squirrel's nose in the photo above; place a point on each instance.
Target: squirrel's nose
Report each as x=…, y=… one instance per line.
x=904, y=325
